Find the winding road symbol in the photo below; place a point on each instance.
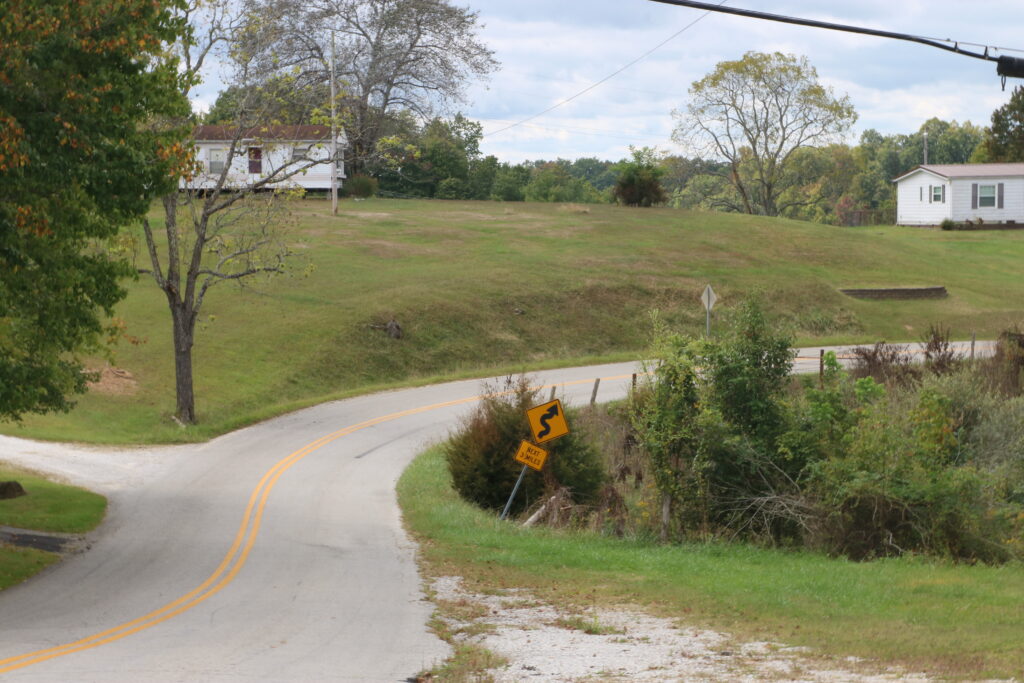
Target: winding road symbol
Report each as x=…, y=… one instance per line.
x=547, y=421
x=552, y=412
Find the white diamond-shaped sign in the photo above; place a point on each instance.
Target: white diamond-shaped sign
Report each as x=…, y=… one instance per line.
x=708, y=298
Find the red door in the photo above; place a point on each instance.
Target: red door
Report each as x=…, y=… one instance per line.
x=255, y=160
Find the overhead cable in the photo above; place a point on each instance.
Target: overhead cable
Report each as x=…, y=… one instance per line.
x=606, y=78
x=1005, y=64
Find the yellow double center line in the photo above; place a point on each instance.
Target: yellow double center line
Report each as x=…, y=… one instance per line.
x=236, y=556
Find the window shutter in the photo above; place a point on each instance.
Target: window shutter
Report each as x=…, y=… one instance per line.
x=929, y=194
x=999, y=196
x=974, y=195
x=943, y=194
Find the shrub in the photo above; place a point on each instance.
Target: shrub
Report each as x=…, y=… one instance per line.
x=904, y=484
x=711, y=436
x=452, y=188
x=939, y=354
x=480, y=454
x=885, y=363
x=949, y=224
x=361, y=186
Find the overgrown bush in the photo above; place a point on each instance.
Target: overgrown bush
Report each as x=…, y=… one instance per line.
x=885, y=363
x=452, y=188
x=711, y=435
x=903, y=459
x=362, y=186
x=481, y=454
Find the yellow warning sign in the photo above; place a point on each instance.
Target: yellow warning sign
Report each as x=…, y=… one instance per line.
x=547, y=421
x=531, y=456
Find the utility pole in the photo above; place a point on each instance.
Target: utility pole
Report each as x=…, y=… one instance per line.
x=926, y=148
x=334, y=138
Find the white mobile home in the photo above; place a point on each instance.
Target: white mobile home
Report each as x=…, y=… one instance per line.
x=284, y=156
x=928, y=195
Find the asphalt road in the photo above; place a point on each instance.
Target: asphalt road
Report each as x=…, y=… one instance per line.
x=273, y=553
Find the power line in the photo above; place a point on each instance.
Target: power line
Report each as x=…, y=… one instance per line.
x=591, y=131
x=608, y=77
x=1006, y=66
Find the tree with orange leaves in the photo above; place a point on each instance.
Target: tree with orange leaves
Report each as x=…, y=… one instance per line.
x=79, y=83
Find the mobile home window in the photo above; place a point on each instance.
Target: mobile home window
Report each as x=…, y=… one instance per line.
x=255, y=160
x=986, y=195
x=217, y=159
x=937, y=193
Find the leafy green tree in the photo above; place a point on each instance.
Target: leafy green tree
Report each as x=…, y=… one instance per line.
x=292, y=103
x=1004, y=139
x=754, y=113
x=482, y=173
x=601, y=174
x=442, y=149
x=510, y=182
x=639, y=182
x=79, y=82
x=552, y=182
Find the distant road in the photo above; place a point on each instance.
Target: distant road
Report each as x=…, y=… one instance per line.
x=273, y=553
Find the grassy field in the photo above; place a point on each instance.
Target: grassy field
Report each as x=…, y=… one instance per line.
x=957, y=621
x=49, y=506
x=486, y=286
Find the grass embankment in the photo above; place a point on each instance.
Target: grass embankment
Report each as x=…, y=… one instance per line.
x=49, y=506
x=482, y=287
x=960, y=621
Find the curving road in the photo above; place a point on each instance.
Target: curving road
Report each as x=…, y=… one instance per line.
x=273, y=553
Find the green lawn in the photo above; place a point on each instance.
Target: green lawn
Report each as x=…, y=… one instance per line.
x=482, y=286
x=958, y=621
x=48, y=506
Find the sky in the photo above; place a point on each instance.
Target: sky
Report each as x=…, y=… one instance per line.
x=551, y=49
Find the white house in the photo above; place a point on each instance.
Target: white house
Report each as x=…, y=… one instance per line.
x=932, y=193
x=291, y=156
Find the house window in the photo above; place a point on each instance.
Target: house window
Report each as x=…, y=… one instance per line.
x=986, y=195
x=217, y=159
x=255, y=160
x=938, y=194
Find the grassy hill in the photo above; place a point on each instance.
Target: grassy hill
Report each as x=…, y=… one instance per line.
x=486, y=286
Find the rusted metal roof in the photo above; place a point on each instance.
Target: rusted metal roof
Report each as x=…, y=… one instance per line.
x=268, y=132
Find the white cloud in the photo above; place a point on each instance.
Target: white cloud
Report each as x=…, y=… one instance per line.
x=550, y=51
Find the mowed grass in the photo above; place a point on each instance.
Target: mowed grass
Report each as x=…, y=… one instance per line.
x=949, y=620
x=487, y=287
x=48, y=506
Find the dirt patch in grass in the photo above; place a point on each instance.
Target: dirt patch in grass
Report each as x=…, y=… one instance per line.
x=391, y=250
x=372, y=215
x=114, y=382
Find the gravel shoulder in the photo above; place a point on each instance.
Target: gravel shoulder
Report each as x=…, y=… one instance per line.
x=544, y=642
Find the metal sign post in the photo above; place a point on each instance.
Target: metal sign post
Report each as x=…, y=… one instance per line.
x=531, y=456
x=708, y=298
x=504, y=513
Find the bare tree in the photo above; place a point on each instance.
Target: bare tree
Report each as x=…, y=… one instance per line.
x=391, y=55
x=223, y=225
x=754, y=113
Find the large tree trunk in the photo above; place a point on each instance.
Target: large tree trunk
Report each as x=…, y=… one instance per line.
x=184, y=334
